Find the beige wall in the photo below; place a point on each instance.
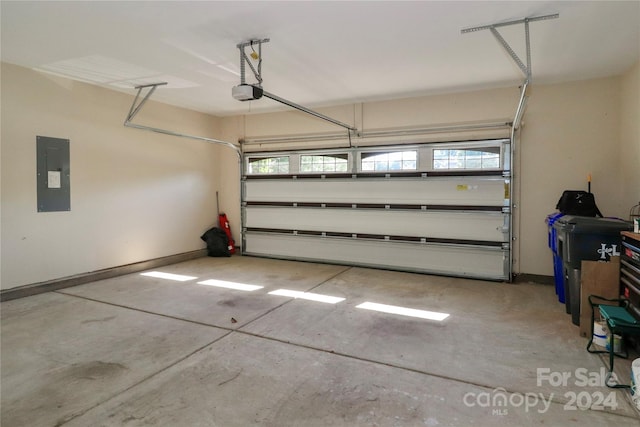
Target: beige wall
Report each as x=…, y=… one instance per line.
x=135, y=195
x=630, y=136
x=571, y=130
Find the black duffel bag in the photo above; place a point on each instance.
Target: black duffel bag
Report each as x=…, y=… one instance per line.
x=581, y=203
x=217, y=242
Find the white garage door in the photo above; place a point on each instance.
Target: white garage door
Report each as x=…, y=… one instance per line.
x=438, y=208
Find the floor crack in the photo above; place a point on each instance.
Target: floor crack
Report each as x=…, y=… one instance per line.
x=231, y=379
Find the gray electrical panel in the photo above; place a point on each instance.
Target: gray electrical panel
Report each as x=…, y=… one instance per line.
x=54, y=179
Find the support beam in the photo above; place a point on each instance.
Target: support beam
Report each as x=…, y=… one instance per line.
x=521, y=106
x=244, y=60
x=507, y=23
x=511, y=52
x=308, y=111
x=526, y=69
x=137, y=106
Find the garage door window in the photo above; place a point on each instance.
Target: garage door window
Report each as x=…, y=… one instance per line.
x=389, y=161
x=268, y=165
x=324, y=163
x=473, y=158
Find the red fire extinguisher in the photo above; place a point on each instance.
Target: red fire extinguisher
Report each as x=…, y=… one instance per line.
x=224, y=224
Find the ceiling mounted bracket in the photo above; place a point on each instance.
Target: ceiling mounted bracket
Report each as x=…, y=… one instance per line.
x=244, y=59
x=136, y=106
x=526, y=69
x=251, y=92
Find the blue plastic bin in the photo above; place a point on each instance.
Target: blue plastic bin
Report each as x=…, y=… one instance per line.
x=558, y=270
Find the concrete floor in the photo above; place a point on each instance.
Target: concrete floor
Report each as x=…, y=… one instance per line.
x=143, y=351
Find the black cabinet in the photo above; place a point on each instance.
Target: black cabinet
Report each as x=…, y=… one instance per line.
x=630, y=270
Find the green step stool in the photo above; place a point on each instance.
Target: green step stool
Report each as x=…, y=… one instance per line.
x=619, y=322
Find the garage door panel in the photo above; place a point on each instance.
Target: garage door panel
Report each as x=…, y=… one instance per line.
x=436, y=208
x=457, y=260
x=481, y=226
x=463, y=191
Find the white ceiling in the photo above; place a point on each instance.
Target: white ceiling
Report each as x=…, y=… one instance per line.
x=320, y=53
